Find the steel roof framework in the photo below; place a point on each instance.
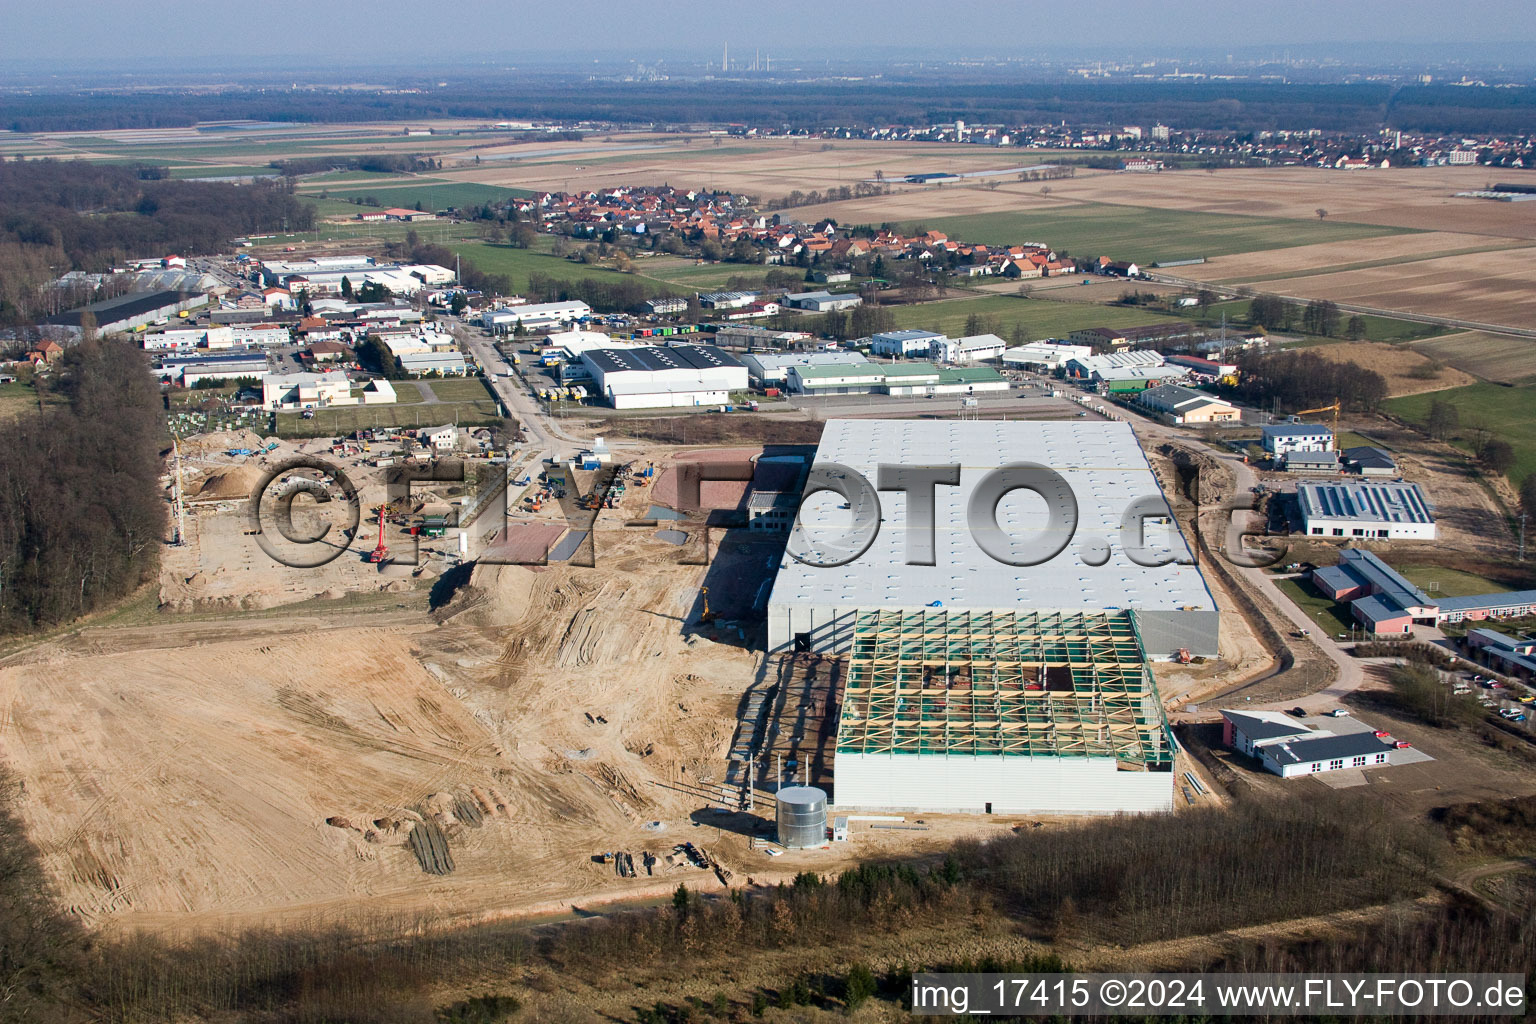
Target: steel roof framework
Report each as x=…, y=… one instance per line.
x=1025, y=684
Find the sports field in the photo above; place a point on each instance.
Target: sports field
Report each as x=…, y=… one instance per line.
x=1438, y=581
x=1508, y=411
x=1143, y=235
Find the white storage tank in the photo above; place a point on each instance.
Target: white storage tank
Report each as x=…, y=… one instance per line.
x=802, y=817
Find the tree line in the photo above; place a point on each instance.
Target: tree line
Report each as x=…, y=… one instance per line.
x=82, y=517
x=1298, y=379
x=916, y=99
x=72, y=215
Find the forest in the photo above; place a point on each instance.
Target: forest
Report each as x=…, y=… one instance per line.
x=898, y=100
x=72, y=215
x=82, y=517
x=1298, y=379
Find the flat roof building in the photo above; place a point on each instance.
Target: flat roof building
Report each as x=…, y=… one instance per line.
x=771, y=369
x=1371, y=511
x=822, y=301
x=679, y=376
x=1177, y=404
x=904, y=343
x=1100, y=465
x=1284, y=438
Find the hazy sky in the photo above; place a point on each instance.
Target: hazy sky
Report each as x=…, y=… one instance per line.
x=124, y=34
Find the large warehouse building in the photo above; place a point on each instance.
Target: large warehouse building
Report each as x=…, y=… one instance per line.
x=659, y=378
x=813, y=608
x=973, y=685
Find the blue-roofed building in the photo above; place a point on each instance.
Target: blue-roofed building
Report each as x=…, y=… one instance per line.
x=1367, y=511
x=1488, y=606
x=910, y=342
x=1284, y=438
x=1290, y=748
x=1503, y=653
x=1378, y=615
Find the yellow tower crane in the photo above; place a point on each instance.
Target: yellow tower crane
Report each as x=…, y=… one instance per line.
x=1334, y=408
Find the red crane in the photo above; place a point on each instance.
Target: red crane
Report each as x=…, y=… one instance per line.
x=380, y=554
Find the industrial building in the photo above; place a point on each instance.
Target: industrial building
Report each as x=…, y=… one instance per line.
x=1176, y=404
x=1290, y=748
x=975, y=349
x=822, y=301
x=1310, y=462
x=319, y=390
x=657, y=378
x=126, y=312
x=766, y=370
x=1045, y=355
x=1089, y=365
x=443, y=364
x=815, y=608
x=1119, y=380
x=904, y=343
x=538, y=314
x=1000, y=712
x=911, y=379
x=1365, y=510
x=188, y=370
x=1369, y=460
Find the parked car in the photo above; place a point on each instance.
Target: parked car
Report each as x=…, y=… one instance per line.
x=1299, y=712
x=1402, y=745
x=1339, y=713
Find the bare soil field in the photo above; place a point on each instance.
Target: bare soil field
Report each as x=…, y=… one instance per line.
x=1484, y=288
x=1489, y=356
x=1302, y=259
x=1397, y=364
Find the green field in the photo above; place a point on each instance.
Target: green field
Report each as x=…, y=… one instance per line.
x=1043, y=318
x=690, y=276
x=336, y=421
x=464, y=389
x=18, y=399
x=432, y=196
x=1145, y=235
x=1437, y=581
x=519, y=263
x=1331, y=617
x=1509, y=412
x=220, y=171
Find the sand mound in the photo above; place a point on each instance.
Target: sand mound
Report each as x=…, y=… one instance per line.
x=235, y=482
x=223, y=440
x=496, y=595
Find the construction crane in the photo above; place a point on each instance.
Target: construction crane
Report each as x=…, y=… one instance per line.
x=1334, y=408
x=380, y=554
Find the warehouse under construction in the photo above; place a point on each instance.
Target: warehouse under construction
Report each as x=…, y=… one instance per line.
x=970, y=685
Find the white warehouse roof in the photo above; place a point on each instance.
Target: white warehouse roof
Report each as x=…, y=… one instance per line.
x=1102, y=464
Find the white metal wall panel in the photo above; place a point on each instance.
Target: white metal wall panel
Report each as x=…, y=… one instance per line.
x=1012, y=785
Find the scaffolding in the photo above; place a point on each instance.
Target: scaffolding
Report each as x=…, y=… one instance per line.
x=1009, y=683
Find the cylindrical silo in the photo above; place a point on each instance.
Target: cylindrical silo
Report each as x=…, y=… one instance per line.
x=802, y=817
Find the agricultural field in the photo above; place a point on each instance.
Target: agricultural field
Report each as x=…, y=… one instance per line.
x=1489, y=356
x=1147, y=236
x=519, y=263
x=1042, y=318
x=1406, y=370
x=432, y=194
x=18, y=398
x=1508, y=411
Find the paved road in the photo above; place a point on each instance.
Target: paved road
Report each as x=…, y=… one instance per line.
x=541, y=432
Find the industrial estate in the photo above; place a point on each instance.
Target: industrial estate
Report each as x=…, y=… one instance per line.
x=609, y=540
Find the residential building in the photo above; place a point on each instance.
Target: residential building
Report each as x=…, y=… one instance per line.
x=1310, y=462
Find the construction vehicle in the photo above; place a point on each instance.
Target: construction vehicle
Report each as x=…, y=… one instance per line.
x=1183, y=657
x=380, y=554
x=1334, y=408
x=707, y=615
